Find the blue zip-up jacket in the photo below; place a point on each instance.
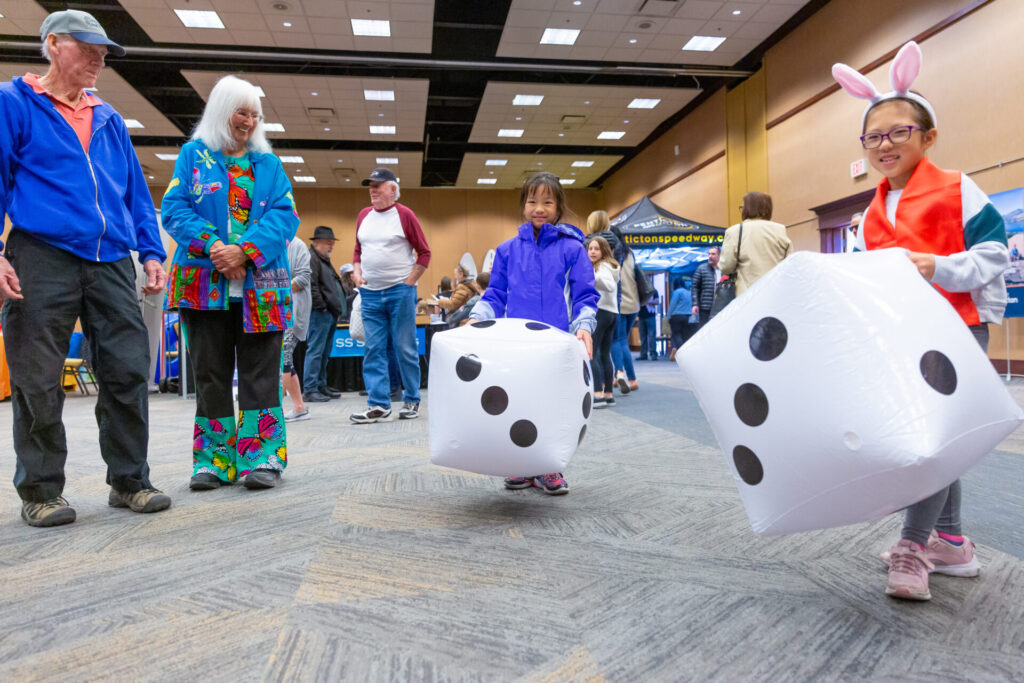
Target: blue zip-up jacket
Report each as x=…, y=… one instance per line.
x=550, y=280
x=195, y=214
x=94, y=205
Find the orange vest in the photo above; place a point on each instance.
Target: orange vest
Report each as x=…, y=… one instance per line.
x=929, y=219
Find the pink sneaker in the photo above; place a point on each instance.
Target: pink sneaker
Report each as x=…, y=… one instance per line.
x=908, y=572
x=948, y=559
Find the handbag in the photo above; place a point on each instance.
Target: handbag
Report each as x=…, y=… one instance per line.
x=355, y=320
x=644, y=288
x=725, y=291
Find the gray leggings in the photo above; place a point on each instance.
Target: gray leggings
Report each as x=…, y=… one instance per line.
x=939, y=511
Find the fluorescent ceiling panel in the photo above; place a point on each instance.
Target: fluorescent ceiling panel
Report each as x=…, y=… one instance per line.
x=291, y=160
x=375, y=28
x=199, y=18
x=496, y=162
x=510, y=133
x=559, y=36
x=304, y=179
x=382, y=130
x=486, y=181
x=133, y=123
x=167, y=157
x=273, y=127
x=703, y=43
x=527, y=100
x=611, y=134
x=583, y=164
x=387, y=160
x=643, y=103
x=379, y=95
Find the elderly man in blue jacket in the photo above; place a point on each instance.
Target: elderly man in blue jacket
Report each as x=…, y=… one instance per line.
x=78, y=203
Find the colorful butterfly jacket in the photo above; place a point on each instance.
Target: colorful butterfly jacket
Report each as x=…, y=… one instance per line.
x=195, y=213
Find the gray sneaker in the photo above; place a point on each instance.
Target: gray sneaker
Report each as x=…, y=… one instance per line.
x=371, y=414
x=146, y=500
x=409, y=411
x=292, y=416
x=53, y=512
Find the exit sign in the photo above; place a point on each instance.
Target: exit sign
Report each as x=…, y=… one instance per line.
x=858, y=168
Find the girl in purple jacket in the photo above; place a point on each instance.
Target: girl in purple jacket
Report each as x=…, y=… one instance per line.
x=543, y=274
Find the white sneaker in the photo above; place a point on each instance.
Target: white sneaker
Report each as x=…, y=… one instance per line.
x=292, y=416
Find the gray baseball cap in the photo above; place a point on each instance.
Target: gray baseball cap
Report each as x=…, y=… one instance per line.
x=80, y=26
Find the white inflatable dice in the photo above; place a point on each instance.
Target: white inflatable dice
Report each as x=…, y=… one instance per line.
x=509, y=397
x=843, y=387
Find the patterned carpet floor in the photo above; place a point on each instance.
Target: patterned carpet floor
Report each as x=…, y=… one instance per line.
x=368, y=563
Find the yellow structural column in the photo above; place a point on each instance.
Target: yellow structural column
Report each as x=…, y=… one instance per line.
x=746, y=147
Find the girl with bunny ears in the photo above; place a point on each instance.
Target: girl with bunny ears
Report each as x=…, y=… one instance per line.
x=957, y=240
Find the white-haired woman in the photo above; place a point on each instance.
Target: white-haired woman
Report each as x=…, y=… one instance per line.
x=229, y=207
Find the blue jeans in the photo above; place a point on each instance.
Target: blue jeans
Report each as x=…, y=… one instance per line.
x=648, y=343
x=319, y=336
x=390, y=313
x=621, y=357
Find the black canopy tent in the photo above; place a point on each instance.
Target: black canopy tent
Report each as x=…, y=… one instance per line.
x=645, y=225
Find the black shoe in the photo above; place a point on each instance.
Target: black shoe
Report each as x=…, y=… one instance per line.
x=205, y=481
x=261, y=479
x=331, y=392
x=315, y=397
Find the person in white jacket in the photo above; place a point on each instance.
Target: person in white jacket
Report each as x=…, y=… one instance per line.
x=606, y=279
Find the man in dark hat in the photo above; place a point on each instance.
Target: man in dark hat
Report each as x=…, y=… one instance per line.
x=328, y=305
x=391, y=254
x=78, y=203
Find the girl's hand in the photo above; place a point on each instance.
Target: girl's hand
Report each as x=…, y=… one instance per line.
x=925, y=264
x=585, y=337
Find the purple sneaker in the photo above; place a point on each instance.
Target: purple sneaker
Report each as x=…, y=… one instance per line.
x=552, y=484
x=518, y=482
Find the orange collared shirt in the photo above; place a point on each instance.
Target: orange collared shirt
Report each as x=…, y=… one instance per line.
x=78, y=117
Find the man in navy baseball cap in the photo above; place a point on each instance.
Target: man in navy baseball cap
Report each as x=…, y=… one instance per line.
x=380, y=175
x=80, y=26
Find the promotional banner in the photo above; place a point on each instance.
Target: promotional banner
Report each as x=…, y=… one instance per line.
x=645, y=225
x=345, y=346
x=1010, y=205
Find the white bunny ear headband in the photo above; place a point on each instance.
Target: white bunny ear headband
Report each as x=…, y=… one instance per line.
x=904, y=70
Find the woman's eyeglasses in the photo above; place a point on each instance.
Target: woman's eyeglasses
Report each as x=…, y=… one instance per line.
x=244, y=114
x=897, y=136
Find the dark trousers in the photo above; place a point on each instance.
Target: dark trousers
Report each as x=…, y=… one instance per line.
x=602, y=366
x=682, y=330
x=648, y=343
x=319, y=338
x=60, y=288
x=216, y=342
x=703, y=315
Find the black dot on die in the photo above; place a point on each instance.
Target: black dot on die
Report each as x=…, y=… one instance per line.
x=582, y=434
x=751, y=404
x=468, y=368
x=537, y=326
x=494, y=400
x=523, y=433
x=939, y=372
x=748, y=465
x=484, y=323
x=768, y=338
x=587, y=404
x=586, y=373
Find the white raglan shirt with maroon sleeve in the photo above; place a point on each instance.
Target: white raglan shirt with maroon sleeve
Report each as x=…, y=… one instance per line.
x=387, y=257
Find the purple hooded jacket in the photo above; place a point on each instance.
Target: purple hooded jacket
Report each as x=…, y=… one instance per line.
x=550, y=280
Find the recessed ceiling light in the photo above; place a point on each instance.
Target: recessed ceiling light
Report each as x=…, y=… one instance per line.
x=304, y=178
x=486, y=181
x=327, y=130
x=511, y=133
x=611, y=134
x=387, y=160
x=737, y=12
x=381, y=115
x=567, y=181
x=348, y=180
x=643, y=103
x=273, y=127
x=287, y=24
x=150, y=177
x=703, y=43
x=519, y=118
x=583, y=164
x=1, y=16
x=632, y=41
x=577, y=2
x=167, y=157
x=527, y=100
x=586, y=101
x=292, y=160
x=540, y=163
x=133, y=123
x=496, y=162
x=625, y=121
x=375, y=28
x=340, y=160
x=199, y=18
x=572, y=173
x=559, y=36
x=491, y=172
x=315, y=94
x=382, y=130
x=561, y=135
x=380, y=95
